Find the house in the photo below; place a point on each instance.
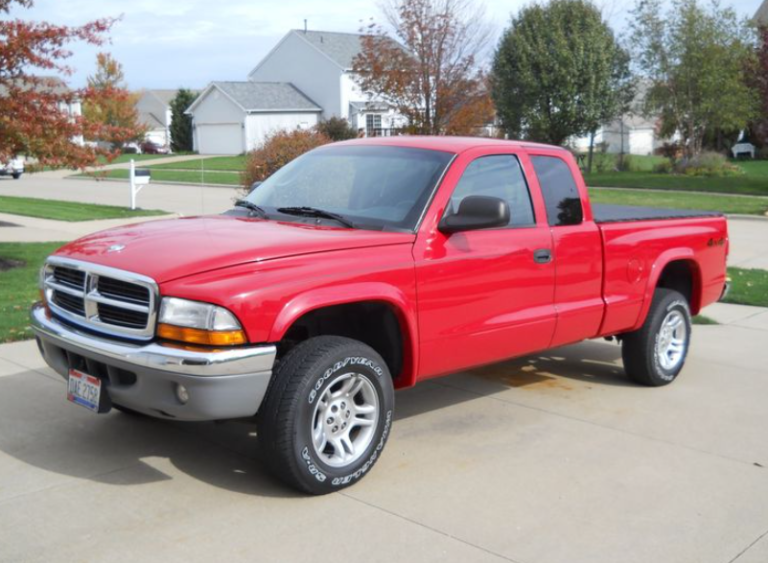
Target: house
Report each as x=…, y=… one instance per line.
x=306, y=77
x=761, y=16
x=154, y=108
x=631, y=133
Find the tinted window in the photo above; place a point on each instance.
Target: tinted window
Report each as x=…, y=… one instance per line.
x=558, y=187
x=374, y=186
x=497, y=176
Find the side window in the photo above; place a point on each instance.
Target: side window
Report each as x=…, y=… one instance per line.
x=558, y=187
x=497, y=176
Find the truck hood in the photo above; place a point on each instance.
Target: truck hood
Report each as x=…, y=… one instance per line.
x=169, y=249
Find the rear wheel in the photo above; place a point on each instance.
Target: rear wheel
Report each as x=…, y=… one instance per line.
x=16, y=175
x=327, y=414
x=655, y=354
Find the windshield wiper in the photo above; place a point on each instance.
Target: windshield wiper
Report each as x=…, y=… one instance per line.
x=315, y=212
x=252, y=207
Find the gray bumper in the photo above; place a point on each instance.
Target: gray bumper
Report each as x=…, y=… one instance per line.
x=221, y=384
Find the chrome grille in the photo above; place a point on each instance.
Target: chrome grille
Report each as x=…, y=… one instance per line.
x=105, y=299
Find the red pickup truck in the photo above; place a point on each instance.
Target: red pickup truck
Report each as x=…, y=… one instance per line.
x=360, y=268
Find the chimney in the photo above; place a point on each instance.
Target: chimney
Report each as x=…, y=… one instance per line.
x=305, y=26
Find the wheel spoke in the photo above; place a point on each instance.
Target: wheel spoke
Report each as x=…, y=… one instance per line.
x=359, y=382
x=358, y=421
x=365, y=409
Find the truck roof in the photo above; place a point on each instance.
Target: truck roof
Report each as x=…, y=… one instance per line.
x=445, y=144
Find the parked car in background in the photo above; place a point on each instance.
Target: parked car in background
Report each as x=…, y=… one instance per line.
x=150, y=147
x=743, y=149
x=14, y=167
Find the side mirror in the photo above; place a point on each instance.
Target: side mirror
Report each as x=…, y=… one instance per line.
x=476, y=212
x=254, y=186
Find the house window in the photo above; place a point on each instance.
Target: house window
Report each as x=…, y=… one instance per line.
x=373, y=124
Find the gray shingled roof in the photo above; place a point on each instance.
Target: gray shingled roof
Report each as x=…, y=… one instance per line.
x=341, y=47
x=761, y=16
x=267, y=96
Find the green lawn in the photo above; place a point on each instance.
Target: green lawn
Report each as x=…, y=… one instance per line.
x=68, y=210
x=748, y=287
x=753, y=182
x=18, y=286
x=182, y=176
x=703, y=320
x=703, y=201
x=225, y=163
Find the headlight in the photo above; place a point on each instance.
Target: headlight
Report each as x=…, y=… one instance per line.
x=198, y=323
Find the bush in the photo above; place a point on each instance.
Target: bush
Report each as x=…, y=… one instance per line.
x=336, y=129
x=664, y=167
x=707, y=164
x=278, y=150
x=672, y=151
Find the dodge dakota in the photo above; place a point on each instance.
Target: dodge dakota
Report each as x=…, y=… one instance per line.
x=363, y=267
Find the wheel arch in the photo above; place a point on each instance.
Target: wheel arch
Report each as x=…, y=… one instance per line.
x=675, y=269
x=393, y=335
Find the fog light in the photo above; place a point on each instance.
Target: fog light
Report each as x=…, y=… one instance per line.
x=182, y=394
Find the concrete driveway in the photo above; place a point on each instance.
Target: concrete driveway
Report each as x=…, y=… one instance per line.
x=547, y=459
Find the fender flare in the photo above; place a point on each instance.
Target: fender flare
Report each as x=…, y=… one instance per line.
x=664, y=259
x=319, y=298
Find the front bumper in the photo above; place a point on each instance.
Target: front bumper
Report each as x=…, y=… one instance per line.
x=222, y=384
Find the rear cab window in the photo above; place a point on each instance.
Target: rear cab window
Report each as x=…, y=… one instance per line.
x=558, y=187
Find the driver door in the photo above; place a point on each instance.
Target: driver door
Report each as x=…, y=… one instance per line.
x=484, y=295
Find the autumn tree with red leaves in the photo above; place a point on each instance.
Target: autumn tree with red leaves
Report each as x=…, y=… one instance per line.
x=33, y=117
x=428, y=71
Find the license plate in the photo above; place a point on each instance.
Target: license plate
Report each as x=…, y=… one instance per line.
x=84, y=390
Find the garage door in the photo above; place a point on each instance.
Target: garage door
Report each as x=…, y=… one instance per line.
x=220, y=138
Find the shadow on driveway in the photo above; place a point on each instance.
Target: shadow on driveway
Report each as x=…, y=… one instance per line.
x=40, y=428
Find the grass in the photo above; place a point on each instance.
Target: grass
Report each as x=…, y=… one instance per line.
x=221, y=163
x=753, y=182
x=182, y=176
x=702, y=201
x=18, y=286
x=748, y=287
x=68, y=210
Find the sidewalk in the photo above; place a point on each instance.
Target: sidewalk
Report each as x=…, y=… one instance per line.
x=33, y=229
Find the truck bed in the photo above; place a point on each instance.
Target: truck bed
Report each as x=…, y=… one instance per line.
x=605, y=213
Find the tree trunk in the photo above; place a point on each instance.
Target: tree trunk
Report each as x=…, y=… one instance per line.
x=591, y=151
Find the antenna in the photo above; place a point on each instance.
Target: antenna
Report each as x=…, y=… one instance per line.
x=305, y=25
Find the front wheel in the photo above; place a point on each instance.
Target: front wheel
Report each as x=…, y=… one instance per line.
x=16, y=175
x=655, y=354
x=327, y=414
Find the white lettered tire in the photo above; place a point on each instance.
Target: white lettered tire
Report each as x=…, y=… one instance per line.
x=327, y=414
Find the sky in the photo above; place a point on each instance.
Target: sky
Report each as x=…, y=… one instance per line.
x=189, y=43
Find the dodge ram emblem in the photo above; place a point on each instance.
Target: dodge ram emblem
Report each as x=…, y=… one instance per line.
x=115, y=248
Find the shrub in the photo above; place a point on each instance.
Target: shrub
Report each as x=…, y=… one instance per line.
x=672, y=151
x=762, y=153
x=279, y=149
x=707, y=164
x=336, y=129
x=664, y=167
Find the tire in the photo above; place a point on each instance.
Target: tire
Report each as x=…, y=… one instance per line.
x=16, y=175
x=655, y=354
x=303, y=419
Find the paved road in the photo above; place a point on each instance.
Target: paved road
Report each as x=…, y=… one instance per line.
x=548, y=459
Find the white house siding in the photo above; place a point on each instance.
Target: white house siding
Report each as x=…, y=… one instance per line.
x=157, y=116
x=259, y=125
x=218, y=125
x=313, y=73
x=350, y=92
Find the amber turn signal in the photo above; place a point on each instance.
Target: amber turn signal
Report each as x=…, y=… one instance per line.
x=199, y=336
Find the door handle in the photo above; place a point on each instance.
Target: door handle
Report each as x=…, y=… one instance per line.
x=542, y=256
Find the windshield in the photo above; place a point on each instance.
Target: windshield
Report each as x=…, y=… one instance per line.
x=372, y=186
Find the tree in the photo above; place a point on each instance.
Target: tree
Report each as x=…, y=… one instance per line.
x=181, y=123
x=759, y=81
x=277, y=150
x=558, y=72
x=429, y=73
x=112, y=107
x=697, y=60
x=32, y=119
x=336, y=129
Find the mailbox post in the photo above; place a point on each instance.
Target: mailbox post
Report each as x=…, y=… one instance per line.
x=138, y=179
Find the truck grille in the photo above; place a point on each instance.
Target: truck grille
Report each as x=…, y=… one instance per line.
x=105, y=299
